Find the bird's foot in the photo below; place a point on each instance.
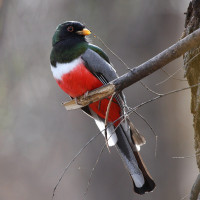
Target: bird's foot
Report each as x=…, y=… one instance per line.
x=86, y=94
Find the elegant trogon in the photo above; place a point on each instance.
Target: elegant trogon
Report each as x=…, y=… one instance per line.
x=78, y=67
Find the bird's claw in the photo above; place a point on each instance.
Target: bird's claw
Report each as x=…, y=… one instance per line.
x=86, y=94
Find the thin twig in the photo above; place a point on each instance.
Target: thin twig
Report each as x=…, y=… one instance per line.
x=192, y=59
x=183, y=157
x=149, y=88
x=112, y=51
x=132, y=110
x=163, y=95
x=80, y=151
x=156, y=136
x=69, y=164
x=90, y=178
x=170, y=76
x=178, y=79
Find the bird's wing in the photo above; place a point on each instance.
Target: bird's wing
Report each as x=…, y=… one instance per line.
x=104, y=71
x=99, y=66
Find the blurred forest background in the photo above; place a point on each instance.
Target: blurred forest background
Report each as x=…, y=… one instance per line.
x=38, y=137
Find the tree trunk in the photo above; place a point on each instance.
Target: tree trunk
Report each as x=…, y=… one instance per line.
x=192, y=71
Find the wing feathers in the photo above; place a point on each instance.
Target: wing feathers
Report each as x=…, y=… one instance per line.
x=97, y=65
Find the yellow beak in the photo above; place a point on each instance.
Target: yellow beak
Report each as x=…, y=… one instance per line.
x=85, y=31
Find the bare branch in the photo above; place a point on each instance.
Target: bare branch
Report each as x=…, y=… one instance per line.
x=137, y=73
x=94, y=95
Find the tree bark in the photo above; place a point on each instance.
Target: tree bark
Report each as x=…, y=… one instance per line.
x=192, y=73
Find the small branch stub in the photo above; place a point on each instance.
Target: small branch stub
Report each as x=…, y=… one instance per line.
x=90, y=97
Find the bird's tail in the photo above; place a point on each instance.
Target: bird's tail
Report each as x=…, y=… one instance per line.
x=126, y=139
x=142, y=180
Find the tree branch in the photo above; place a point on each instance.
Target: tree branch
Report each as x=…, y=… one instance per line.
x=139, y=72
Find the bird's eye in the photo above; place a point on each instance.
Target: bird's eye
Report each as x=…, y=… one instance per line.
x=70, y=28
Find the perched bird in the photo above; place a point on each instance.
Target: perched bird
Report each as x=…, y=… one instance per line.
x=79, y=67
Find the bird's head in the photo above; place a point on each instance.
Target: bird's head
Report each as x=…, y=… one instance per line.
x=70, y=30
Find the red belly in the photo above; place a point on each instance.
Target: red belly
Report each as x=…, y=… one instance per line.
x=79, y=81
